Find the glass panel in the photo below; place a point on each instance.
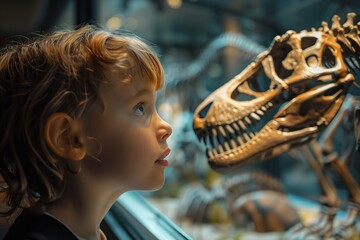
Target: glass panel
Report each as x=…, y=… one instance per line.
x=202, y=45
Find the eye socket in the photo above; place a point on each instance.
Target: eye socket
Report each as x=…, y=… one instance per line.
x=139, y=110
x=307, y=42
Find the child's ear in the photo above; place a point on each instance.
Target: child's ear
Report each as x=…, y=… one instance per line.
x=64, y=137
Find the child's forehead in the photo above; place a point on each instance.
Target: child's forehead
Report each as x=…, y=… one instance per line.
x=127, y=83
x=119, y=91
x=132, y=75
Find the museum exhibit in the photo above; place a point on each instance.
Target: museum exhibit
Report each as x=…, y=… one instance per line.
x=263, y=100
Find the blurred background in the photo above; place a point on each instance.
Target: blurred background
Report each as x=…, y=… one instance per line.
x=202, y=44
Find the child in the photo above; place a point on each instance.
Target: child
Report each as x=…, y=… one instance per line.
x=78, y=128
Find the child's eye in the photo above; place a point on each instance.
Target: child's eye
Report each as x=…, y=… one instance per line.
x=140, y=109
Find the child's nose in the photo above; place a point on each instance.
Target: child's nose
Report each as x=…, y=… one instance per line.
x=165, y=130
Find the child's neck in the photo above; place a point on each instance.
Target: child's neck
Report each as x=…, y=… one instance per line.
x=82, y=202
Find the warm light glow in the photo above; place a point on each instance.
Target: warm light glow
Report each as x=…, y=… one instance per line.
x=166, y=111
x=114, y=22
x=174, y=3
x=131, y=23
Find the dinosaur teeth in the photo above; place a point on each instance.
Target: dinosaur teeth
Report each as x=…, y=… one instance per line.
x=226, y=138
x=233, y=143
x=230, y=129
x=221, y=149
x=222, y=131
x=240, y=141
x=255, y=116
x=227, y=147
x=214, y=151
x=235, y=126
x=246, y=136
x=214, y=132
x=242, y=125
x=260, y=112
x=263, y=108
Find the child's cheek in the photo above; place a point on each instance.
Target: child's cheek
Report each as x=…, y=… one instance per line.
x=123, y=149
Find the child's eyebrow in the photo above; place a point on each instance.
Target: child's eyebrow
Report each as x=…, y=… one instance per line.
x=142, y=92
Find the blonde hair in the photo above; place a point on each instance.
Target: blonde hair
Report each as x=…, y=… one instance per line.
x=58, y=72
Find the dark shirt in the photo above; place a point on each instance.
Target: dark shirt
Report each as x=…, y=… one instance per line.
x=31, y=226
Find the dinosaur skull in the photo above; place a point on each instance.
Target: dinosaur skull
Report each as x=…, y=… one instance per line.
x=281, y=99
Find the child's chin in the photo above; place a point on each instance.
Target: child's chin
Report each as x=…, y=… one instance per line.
x=155, y=186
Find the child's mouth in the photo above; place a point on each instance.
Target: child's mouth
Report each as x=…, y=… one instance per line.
x=162, y=162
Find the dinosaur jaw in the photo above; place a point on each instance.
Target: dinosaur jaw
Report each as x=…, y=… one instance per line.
x=269, y=142
x=251, y=139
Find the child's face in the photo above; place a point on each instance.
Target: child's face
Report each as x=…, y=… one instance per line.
x=132, y=134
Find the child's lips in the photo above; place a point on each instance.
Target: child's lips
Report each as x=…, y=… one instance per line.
x=162, y=161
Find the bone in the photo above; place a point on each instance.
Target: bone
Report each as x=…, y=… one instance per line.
x=215, y=152
x=327, y=187
x=227, y=146
x=260, y=112
x=230, y=129
x=336, y=26
x=349, y=181
x=348, y=25
x=210, y=154
x=214, y=132
x=269, y=105
x=255, y=116
x=222, y=131
x=240, y=141
x=233, y=143
x=235, y=126
x=242, y=125
x=247, y=119
x=263, y=108
x=246, y=136
x=221, y=149
x=325, y=26
x=355, y=34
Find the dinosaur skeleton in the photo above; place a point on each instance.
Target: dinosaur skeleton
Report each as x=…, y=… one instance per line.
x=254, y=200
x=321, y=153
x=179, y=74
x=282, y=100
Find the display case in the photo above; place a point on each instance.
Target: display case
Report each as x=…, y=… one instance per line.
x=204, y=46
